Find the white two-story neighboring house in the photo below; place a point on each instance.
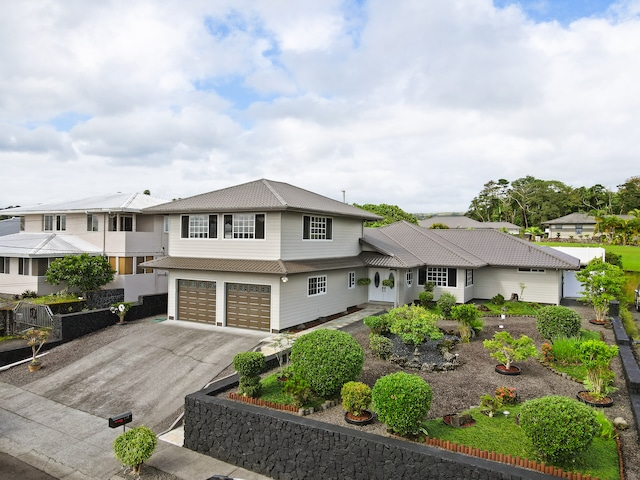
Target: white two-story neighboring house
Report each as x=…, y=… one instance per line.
x=111, y=225
x=264, y=255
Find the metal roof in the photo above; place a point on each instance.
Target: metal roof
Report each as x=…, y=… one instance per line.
x=460, y=221
x=44, y=245
x=262, y=195
x=120, y=202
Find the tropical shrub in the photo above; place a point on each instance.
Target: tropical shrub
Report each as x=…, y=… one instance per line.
x=327, y=359
x=134, y=447
x=382, y=347
x=378, y=324
x=601, y=283
x=596, y=356
x=557, y=321
x=429, y=286
x=497, y=299
x=356, y=397
x=299, y=389
x=565, y=350
x=558, y=427
x=425, y=298
x=402, y=401
x=249, y=365
x=506, y=349
x=445, y=303
x=414, y=324
x=468, y=318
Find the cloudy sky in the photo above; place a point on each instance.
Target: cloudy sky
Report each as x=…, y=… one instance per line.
x=416, y=103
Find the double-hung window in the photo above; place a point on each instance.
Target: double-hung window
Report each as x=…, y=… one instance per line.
x=92, y=222
x=23, y=266
x=199, y=226
x=55, y=222
x=244, y=226
x=317, y=228
x=317, y=285
x=4, y=265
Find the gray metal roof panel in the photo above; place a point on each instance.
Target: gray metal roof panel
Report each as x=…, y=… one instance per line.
x=44, y=245
x=120, y=202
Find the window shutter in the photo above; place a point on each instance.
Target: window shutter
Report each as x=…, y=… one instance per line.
x=306, y=227
x=213, y=226
x=452, y=280
x=259, y=232
x=185, y=227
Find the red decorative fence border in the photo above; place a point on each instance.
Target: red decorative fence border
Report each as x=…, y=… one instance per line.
x=262, y=403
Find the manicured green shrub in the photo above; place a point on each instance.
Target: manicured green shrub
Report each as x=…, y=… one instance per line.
x=506, y=349
x=498, y=299
x=445, y=303
x=327, y=359
x=596, y=356
x=382, y=347
x=557, y=321
x=414, y=324
x=429, y=286
x=558, y=427
x=134, y=447
x=402, y=401
x=356, y=397
x=378, y=324
x=299, y=389
x=468, y=318
x=425, y=298
x=249, y=365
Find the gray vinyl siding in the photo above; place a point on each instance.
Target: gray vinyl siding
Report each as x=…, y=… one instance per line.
x=256, y=249
x=539, y=287
x=345, y=242
x=297, y=307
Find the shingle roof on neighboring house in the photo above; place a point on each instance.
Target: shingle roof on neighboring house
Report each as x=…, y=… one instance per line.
x=573, y=218
x=44, y=245
x=262, y=195
x=120, y=202
x=465, y=248
x=460, y=221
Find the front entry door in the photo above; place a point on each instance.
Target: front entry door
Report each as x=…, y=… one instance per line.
x=379, y=292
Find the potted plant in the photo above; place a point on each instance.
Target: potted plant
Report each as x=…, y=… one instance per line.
x=602, y=283
x=120, y=309
x=596, y=356
x=506, y=349
x=356, y=400
x=364, y=281
x=36, y=338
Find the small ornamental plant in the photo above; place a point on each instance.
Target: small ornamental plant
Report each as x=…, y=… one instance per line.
x=468, y=318
x=249, y=365
x=414, y=324
x=596, y=356
x=558, y=427
x=121, y=309
x=356, y=398
x=490, y=405
x=382, y=347
x=134, y=447
x=299, y=389
x=425, y=298
x=557, y=321
x=507, y=395
x=36, y=338
x=445, y=303
x=327, y=359
x=547, y=353
x=506, y=349
x=602, y=283
x=379, y=324
x=402, y=401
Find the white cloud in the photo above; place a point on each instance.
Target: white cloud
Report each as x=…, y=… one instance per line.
x=417, y=104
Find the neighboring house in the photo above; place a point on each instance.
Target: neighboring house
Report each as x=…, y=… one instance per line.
x=575, y=225
x=111, y=225
x=9, y=226
x=460, y=221
x=470, y=264
x=268, y=256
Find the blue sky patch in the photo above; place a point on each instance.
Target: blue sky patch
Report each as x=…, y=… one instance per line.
x=563, y=11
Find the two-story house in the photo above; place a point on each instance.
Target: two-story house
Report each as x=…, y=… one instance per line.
x=113, y=226
x=268, y=256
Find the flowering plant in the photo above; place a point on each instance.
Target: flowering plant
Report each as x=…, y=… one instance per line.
x=507, y=395
x=547, y=353
x=121, y=309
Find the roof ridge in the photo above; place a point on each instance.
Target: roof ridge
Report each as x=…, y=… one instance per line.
x=129, y=200
x=267, y=183
x=449, y=245
x=42, y=244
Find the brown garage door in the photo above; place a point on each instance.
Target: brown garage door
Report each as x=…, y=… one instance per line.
x=249, y=306
x=197, y=301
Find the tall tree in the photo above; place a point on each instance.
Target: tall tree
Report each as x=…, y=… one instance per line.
x=390, y=214
x=629, y=195
x=83, y=272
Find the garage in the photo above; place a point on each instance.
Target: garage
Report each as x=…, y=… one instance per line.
x=249, y=306
x=197, y=301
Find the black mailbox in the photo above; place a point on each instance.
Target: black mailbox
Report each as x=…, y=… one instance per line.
x=120, y=420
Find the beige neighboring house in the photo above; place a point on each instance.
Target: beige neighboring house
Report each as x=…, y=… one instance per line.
x=268, y=256
x=110, y=225
x=460, y=221
x=575, y=225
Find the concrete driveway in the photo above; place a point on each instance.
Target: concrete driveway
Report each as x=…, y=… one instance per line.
x=148, y=372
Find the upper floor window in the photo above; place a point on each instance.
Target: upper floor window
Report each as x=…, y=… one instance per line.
x=440, y=276
x=55, y=222
x=244, y=225
x=317, y=228
x=317, y=285
x=199, y=226
x=92, y=222
x=126, y=223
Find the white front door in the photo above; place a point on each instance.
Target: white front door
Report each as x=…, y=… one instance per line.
x=379, y=292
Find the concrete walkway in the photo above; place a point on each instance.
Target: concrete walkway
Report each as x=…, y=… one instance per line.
x=72, y=442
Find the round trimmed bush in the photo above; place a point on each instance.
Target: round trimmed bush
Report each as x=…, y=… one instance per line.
x=558, y=321
x=425, y=298
x=558, y=427
x=402, y=401
x=135, y=446
x=446, y=302
x=249, y=365
x=356, y=397
x=327, y=359
x=382, y=347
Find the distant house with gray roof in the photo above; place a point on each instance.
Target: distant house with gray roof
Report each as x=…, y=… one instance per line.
x=113, y=226
x=268, y=256
x=460, y=221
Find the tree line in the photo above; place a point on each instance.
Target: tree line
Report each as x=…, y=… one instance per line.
x=529, y=201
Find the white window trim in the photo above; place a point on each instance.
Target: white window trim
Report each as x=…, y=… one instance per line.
x=320, y=287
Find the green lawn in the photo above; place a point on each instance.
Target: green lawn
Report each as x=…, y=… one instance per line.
x=630, y=255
